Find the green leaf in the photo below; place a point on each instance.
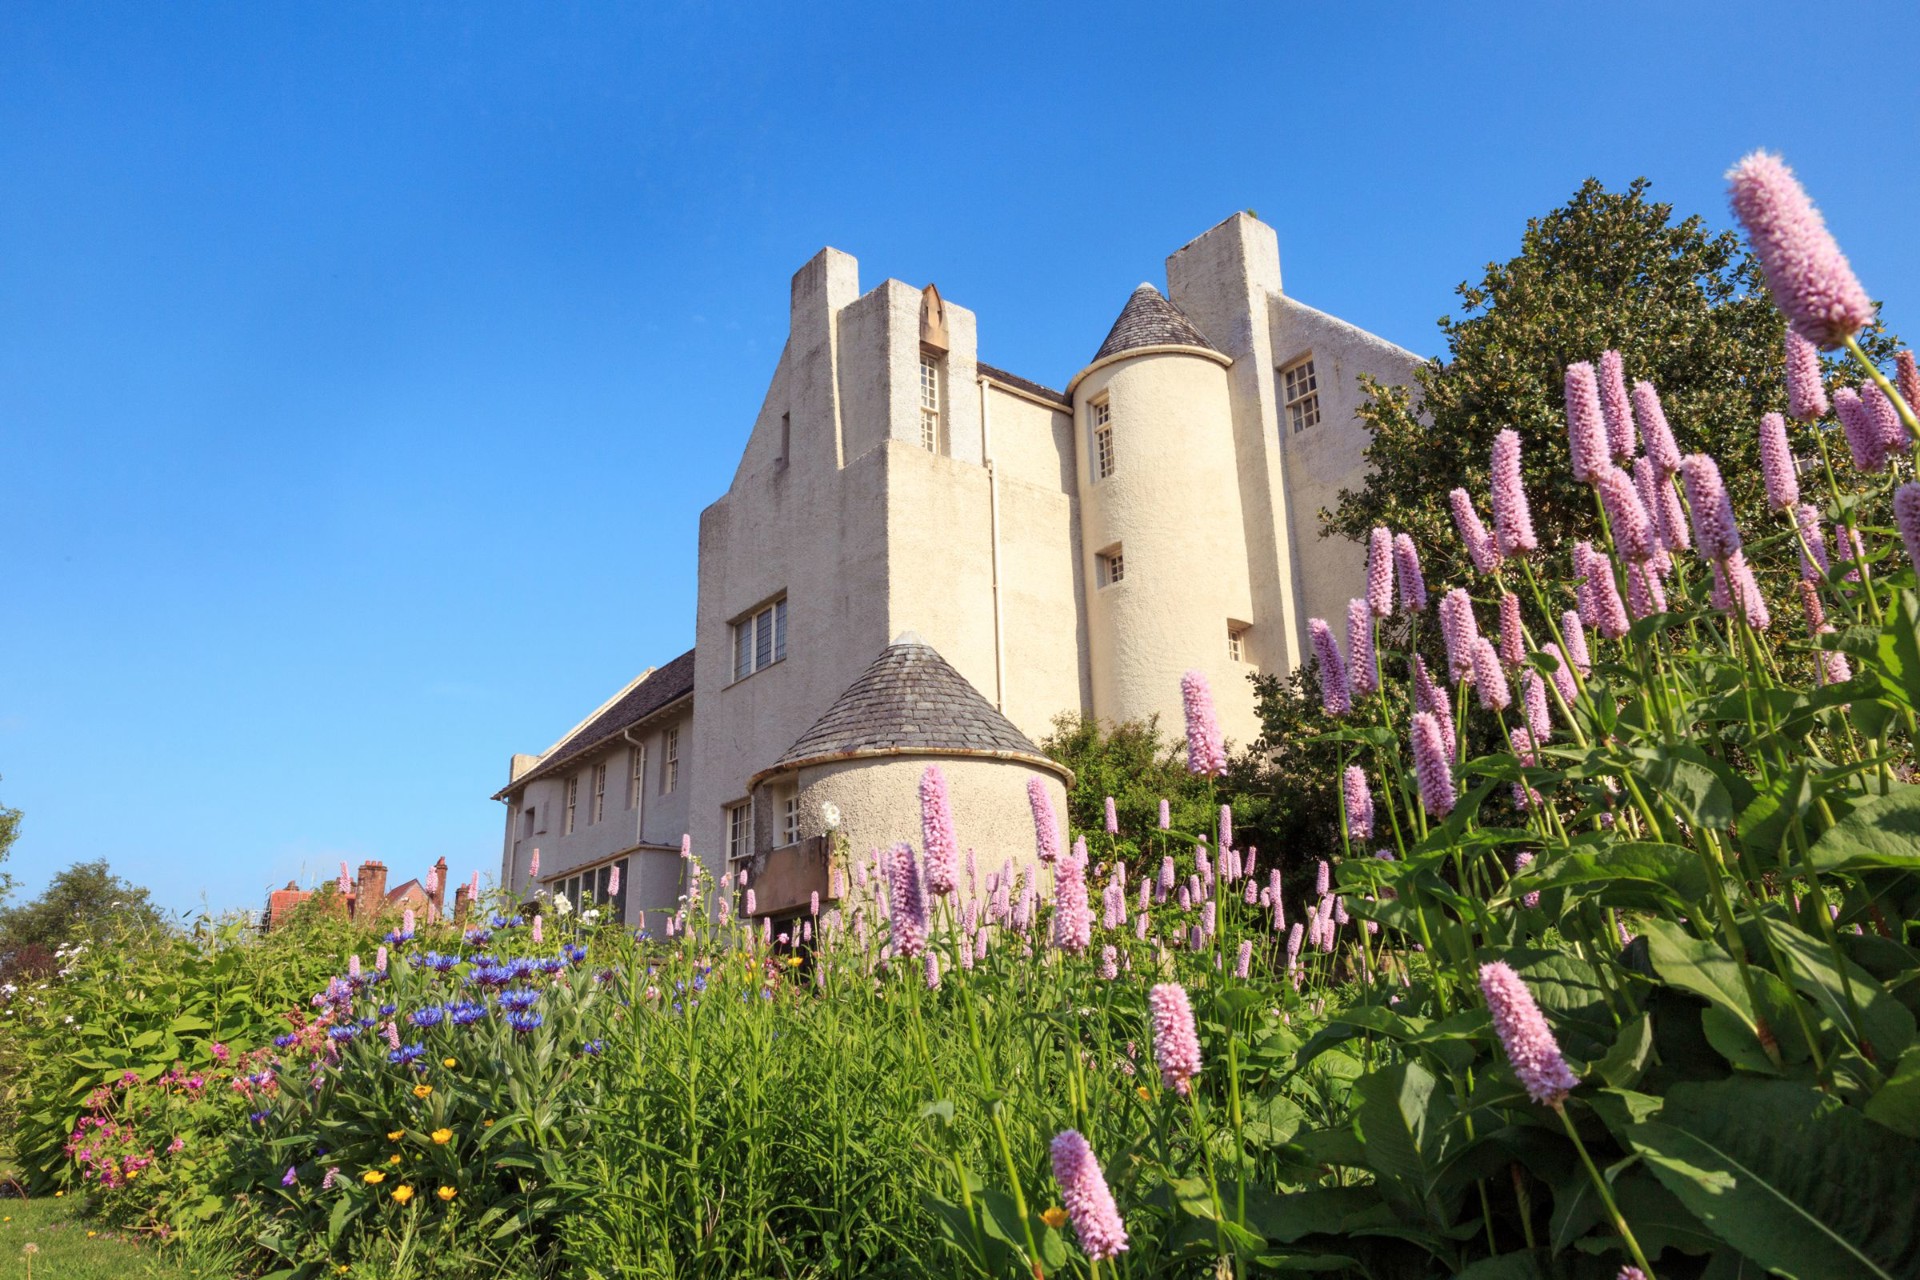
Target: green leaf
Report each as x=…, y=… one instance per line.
x=1634, y=875
x=1406, y=1121
x=1898, y=651
x=1627, y=1061
x=1897, y=1104
x=1881, y=832
x=1790, y=1177
x=1700, y=789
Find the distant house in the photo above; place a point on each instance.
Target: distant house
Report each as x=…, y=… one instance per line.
x=370, y=886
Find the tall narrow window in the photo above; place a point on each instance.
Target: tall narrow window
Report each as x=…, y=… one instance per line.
x=789, y=816
x=929, y=402
x=1102, y=440
x=670, y=761
x=599, y=809
x=760, y=639
x=573, y=799
x=1236, y=642
x=636, y=775
x=1110, y=566
x=786, y=438
x=1300, y=391
x=739, y=830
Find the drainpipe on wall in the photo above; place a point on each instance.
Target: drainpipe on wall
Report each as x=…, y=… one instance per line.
x=993, y=527
x=640, y=798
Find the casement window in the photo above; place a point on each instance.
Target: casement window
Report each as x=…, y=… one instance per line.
x=929, y=402
x=1236, y=642
x=789, y=816
x=760, y=639
x=573, y=799
x=599, y=809
x=1102, y=440
x=592, y=888
x=1110, y=566
x=669, y=761
x=1300, y=392
x=636, y=775
x=526, y=822
x=739, y=830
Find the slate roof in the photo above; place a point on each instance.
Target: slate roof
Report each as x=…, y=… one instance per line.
x=1149, y=320
x=910, y=701
x=666, y=685
x=1031, y=388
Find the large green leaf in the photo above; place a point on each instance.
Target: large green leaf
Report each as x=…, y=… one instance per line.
x=1407, y=1121
x=1897, y=1104
x=1789, y=1176
x=1624, y=875
x=1881, y=832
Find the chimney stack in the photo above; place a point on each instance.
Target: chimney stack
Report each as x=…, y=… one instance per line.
x=439, y=894
x=372, y=890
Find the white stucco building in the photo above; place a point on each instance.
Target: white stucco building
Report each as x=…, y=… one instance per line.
x=922, y=557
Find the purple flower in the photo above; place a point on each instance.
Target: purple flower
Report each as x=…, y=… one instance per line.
x=1363, y=670
x=1430, y=765
x=1166, y=816
x=1906, y=517
x=1533, y=697
x=1243, y=961
x=1406, y=564
x=1226, y=828
x=1659, y=500
x=1489, y=677
x=1776, y=464
x=1906, y=377
x=1458, y=629
x=1046, y=831
x=1609, y=612
x=1512, y=635
x=1863, y=432
x=1072, y=917
x=1632, y=533
x=1646, y=594
x=1661, y=449
x=906, y=901
x=936, y=832
x=1806, y=392
x=1112, y=818
x=1380, y=572
x=1575, y=635
x=1206, y=753
x=1524, y=1034
x=1176, y=1042
x=1359, y=803
x=1810, y=278
x=1614, y=406
x=1480, y=548
x=1886, y=420
x=1714, y=529
x=1335, y=697
x=1083, y=1190
x=1512, y=518
x=1525, y=860
x=1427, y=696
x=1586, y=423
x=292, y=1177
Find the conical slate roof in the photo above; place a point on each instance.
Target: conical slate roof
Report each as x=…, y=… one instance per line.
x=1149, y=320
x=911, y=701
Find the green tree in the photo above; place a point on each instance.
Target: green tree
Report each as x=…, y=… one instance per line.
x=9, y=832
x=84, y=902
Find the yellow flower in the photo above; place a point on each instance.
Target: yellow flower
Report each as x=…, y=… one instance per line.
x=58, y=1194
x=341, y=1269
x=1146, y=1095
x=486, y=1124
x=402, y=1194
x=446, y=1193
x=373, y=1177
x=92, y=1234
x=449, y=1062
x=422, y=1090
x=396, y=1135
x=1055, y=1217
x=394, y=1158
x=441, y=1137
x=132, y=1174
x=793, y=962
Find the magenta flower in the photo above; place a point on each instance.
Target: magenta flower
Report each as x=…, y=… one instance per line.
x=906, y=901
x=1906, y=517
x=613, y=881
x=1166, y=816
x=1430, y=765
x=1363, y=671
x=1659, y=500
x=1359, y=803
x=1661, y=449
x=1489, y=677
x=1226, y=831
x=533, y=867
x=1512, y=635
x=1089, y=1205
x=1380, y=572
x=1714, y=529
x=936, y=832
x=1632, y=533
x=1806, y=391
x=1811, y=280
x=1459, y=630
x=1206, y=751
x=1046, y=830
x=1533, y=697
x=1886, y=419
x=1586, y=423
x=1480, y=549
x=1610, y=612
x=1525, y=860
x=1322, y=878
x=1863, y=433
x=1176, y=1042
x=1112, y=818
x=1906, y=378
x=1646, y=594
x=1614, y=406
x=291, y=1178
x=1575, y=635
x=1427, y=696
x=1072, y=917
x=1524, y=1034
x=1776, y=464
x=1406, y=564
x=1336, y=699
x=1512, y=517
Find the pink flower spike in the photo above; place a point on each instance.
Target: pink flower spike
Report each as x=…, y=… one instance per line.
x=1776, y=464
x=1089, y=1205
x=1646, y=594
x=1886, y=419
x=1166, y=816
x=1489, y=678
x=1609, y=610
x=1480, y=549
x=1632, y=533
x=1811, y=280
x=1112, y=817
x=1363, y=671
x=1906, y=379
x=1562, y=675
x=936, y=832
x=1661, y=449
x=1359, y=802
x=1206, y=751
x=1863, y=432
x=1906, y=517
x=906, y=902
x=1614, y=406
x=1525, y=1036
x=1806, y=389
x=1714, y=529
x=1046, y=830
x=1512, y=517
x=1380, y=572
x=1586, y=423
x=1459, y=630
x=1427, y=696
x=1430, y=765
x=1072, y=917
x=1176, y=1041
x=1659, y=500
x=533, y=867
x=1576, y=637
x=1336, y=699
x=1406, y=565
x=1512, y=635
x=1533, y=698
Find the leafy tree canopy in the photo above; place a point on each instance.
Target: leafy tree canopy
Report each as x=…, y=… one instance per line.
x=84, y=902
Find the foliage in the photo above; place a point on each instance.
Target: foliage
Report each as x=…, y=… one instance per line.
x=69, y=1246
x=81, y=904
x=1134, y=764
x=9, y=832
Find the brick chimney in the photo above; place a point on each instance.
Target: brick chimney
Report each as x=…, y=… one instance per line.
x=371, y=894
x=439, y=894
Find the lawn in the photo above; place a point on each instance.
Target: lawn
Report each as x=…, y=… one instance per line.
x=70, y=1249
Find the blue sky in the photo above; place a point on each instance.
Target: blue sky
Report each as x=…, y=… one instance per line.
x=364, y=368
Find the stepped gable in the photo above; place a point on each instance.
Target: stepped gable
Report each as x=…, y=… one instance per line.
x=1149, y=320
x=911, y=701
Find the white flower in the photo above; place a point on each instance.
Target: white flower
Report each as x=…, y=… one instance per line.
x=560, y=903
x=830, y=814
x=589, y=916
x=68, y=1019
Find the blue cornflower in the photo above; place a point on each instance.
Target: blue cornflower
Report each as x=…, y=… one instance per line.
x=259, y=1117
x=520, y=966
x=284, y=1042
x=517, y=999
x=551, y=965
x=386, y=1010
x=574, y=954
x=343, y=1033
x=699, y=982
x=435, y=961
x=524, y=1022
x=427, y=1016
x=368, y=1024
x=407, y=1054
x=500, y=922
x=594, y=1047
x=399, y=936
x=465, y=1012
x=479, y=937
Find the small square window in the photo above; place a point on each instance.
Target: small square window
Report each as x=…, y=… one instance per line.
x=760, y=639
x=1300, y=391
x=1110, y=566
x=1236, y=642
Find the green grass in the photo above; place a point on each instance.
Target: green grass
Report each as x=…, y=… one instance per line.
x=71, y=1248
